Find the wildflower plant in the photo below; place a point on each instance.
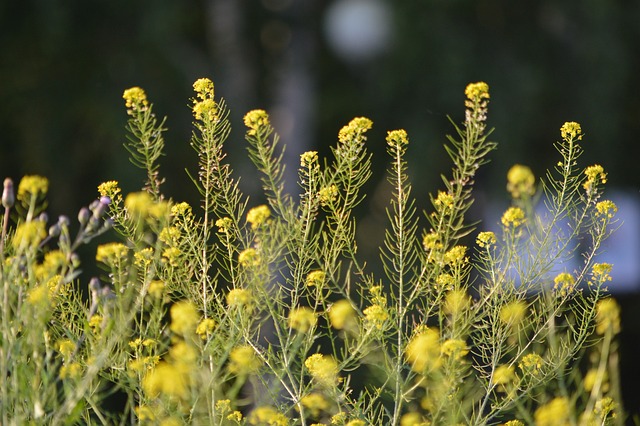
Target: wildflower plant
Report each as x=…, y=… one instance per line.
x=233, y=313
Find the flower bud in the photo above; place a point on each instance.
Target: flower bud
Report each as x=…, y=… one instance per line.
x=102, y=206
x=83, y=216
x=8, y=194
x=54, y=230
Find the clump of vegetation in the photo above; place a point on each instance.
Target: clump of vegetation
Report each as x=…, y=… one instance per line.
x=232, y=313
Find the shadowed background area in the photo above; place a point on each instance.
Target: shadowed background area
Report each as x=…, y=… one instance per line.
x=313, y=65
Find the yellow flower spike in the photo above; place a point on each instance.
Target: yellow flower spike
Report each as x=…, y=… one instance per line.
x=486, y=239
x=109, y=189
x=111, y=253
x=258, y=216
x=302, y=319
x=423, y=351
x=28, y=235
x=444, y=202
x=454, y=348
x=32, y=186
x=376, y=316
x=243, y=360
x=308, y=159
x=513, y=217
x=138, y=204
x=601, y=272
x=513, y=423
x=316, y=279
x=456, y=302
x=531, y=364
x=342, y=314
x=556, y=412
x=71, y=371
x=606, y=208
x=167, y=379
x=477, y=91
x=239, y=297
x=156, y=289
x=205, y=328
x=248, y=257
x=595, y=174
x=513, y=313
x=254, y=120
x=204, y=88
x=315, y=403
x=607, y=316
x=356, y=128
x=503, y=375
x=267, y=416
x=456, y=256
x=564, y=284
x=181, y=210
x=397, y=138
x=328, y=194
x=521, y=181
x=224, y=225
x=135, y=100
x=571, y=131
x=323, y=369
x=184, y=318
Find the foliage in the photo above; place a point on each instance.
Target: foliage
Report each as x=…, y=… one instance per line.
x=267, y=315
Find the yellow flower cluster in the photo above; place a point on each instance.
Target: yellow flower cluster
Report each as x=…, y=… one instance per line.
x=423, y=351
x=109, y=189
x=454, y=348
x=531, y=364
x=308, y=159
x=486, y=239
x=328, y=194
x=595, y=174
x=341, y=314
x=182, y=209
x=323, y=369
x=556, y=412
x=601, y=272
x=571, y=131
x=456, y=302
x=355, y=129
x=256, y=119
x=205, y=328
x=204, y=106
x=32, y=186
x=243, y=360
x=607, y=316
x=477, y=91
x=564, y=284
x=315, y=403
x=28, y=235
x=258, y=216
x=316, y=279
x=184, y=318
x=397, y=138
x=376, y=316
x=521, y=181
x=444, y=202
x=224, y=224
x=239, y=298
x=302, y=319
x=111, y=253
x=606, y=208
x=267, y=416
x=248, y=257
x=513, y=217
x=513, y=313
x=446, y=281
x=135, y=100
x=456, y=256
x=503, y=375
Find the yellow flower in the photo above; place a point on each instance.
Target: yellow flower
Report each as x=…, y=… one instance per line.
x=173, y=381
x=66, y=347
x=591, y=378
x=607, y=316
x=181, y=210
x=239, y=297
x=205, y=110
x=456, y=256
x=531, y=364
x=423, y=351
x=341, y=314
x=111, y=253
x=143, y=257
x=514, y=216
x=397, y=138
x=594, y=175
x=156, y=289
x=183, y=353
x=243, y=360
x=504, y=375
x=356, y=422
x=564, y=284
x=477, y=91
x=339, y=418
x=135, y=99
x=521, y=181
x=95, y=323
x=267, y=416
x=606, y=208
x=513, y=313
x=456, y=302
x=39, y=296
x=184, y=318
x=205, y=328
x=28, y=235
x=571, y=131
x=204, y=88
x=235, y=416
x=169, y=235
x=486, y=239
x=224, y=224
x=355, y=129
x=258, y=216
x=302, y=319
x=445, y=201
x=144, y=413
x=376, y=316
x=431, y=241
x=513, y=423
x=138, y=204
x=445, y=281
x=256, y=119
x=316, y=279
x=248, y=257
x=412, y=419
x=328, y=194
x=323, y=369
x=70, y=371
x=601, y=271
x=454, y=348
x=315, y=403
x=554, y=413
x=109, y=189
x=309, y=159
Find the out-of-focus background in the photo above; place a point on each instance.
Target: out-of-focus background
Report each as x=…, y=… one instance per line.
x=314, y=65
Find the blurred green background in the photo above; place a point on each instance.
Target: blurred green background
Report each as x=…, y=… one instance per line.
x=314, y=65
